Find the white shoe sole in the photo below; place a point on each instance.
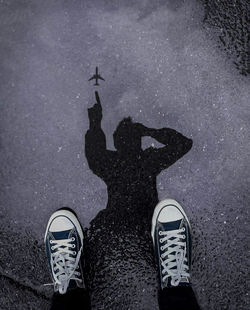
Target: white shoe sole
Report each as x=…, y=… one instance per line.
x=69, y=215
x=159, y=206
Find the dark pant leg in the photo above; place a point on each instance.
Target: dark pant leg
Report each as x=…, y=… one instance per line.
x=77, y=299
x=178, y=298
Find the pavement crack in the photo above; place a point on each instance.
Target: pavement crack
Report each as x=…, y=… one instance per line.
x=39, y=291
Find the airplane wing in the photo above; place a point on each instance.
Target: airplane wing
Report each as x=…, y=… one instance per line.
x=92, y=78
x=101, y=78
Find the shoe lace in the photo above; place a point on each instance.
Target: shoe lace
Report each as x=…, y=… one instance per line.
x=64, y=264
x=175, y=264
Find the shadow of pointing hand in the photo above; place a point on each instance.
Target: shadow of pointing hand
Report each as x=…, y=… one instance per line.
x=95, y=114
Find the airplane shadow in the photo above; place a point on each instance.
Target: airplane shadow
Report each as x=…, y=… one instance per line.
x=119, y=257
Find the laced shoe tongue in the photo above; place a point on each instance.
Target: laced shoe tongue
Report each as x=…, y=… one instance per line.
x=61, y=235
x=72, y=283
x=184, y=280
x=168, y=227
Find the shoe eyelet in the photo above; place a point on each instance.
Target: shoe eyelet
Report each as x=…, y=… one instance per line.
x=74, y=253
x=161, y=248
x=160, y=233
x=73, y=239
x=52, y=248
x=183, y=229
x=73, y=246
x=183, y=237
x=51, y=241
x=161, y=241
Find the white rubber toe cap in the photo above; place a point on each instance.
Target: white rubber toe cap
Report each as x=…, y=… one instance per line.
x=62, y=220
x=168, y=210
x=60, y=223
x=170, y=214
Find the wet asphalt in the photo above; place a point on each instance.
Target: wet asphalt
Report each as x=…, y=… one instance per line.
x=164, y=66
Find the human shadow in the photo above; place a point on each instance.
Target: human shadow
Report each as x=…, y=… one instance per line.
x=120, y=234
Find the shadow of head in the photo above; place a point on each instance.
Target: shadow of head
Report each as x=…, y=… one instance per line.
x=127, y=137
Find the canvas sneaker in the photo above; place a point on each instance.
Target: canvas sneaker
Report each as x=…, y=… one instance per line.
x=171, y=233
x=64, y=242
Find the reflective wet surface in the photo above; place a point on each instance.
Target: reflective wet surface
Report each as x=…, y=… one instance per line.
x=230, y=19
x=165, y=66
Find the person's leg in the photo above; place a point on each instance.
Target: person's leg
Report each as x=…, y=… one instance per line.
x=171, y=234
x=178, y=298
x=64, y=243
x=74, y=299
